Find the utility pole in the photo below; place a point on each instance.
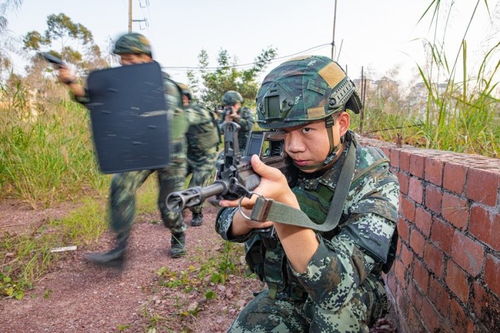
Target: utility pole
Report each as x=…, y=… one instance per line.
x=129, y=16
x=334, y=22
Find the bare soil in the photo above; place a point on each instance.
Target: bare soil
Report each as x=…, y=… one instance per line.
x=81, y=297
x=77, y=296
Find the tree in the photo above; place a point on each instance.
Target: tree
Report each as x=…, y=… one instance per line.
x=3, y=9
x=5, y=62
x=72, y=38
x=227, y=76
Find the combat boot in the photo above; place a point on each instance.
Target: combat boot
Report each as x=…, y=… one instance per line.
x=113, y=257
x=177, y=245
x=197, y=220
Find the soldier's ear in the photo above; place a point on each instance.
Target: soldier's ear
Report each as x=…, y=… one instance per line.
x=344, y=122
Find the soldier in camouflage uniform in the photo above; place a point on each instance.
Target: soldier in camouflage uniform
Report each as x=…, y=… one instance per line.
x=317, y=281
x=202, y=140
x=134, y=48
x=233, y=111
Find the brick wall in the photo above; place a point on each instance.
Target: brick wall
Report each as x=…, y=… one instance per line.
x=446, y=277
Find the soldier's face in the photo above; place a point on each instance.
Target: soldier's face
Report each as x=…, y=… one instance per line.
x=309, y=145
x=133, y=59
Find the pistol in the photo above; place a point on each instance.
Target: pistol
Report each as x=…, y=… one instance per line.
x=57, y=62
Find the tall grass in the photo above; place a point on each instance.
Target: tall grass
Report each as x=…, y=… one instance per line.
x=46, y=153
x=461, y=111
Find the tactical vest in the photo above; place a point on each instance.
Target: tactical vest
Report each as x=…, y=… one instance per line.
x=243, y=134
x=202, y=132
x=177, y=117
x=265, y=254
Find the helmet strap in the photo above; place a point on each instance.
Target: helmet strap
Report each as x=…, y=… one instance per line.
x=332, y=154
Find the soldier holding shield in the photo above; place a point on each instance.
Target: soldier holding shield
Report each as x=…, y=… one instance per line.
x=134, y=48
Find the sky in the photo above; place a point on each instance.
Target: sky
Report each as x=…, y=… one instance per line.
x=378, y=35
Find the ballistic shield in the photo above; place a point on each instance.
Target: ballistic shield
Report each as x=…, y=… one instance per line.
x=129, y=117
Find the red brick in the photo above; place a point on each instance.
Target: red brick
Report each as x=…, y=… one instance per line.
x=459, y=319
x=495, y=241
x=394, y=157
x=416, y=190
x=403, y=302
x=414, y=324
x=403, y=182
x=482, y=186
x=434, y=171
x=492, y=274
x=415, y=296
x=433, y=198
x=423, y=220
x=400, y=272
x=455, y=210
x=421, y=276
x=417, y=164
x=430, y=317
x=407, y=208
x=434, y=259
x=386, y=151
x=391, y=283
x=487, y=308
x=454, y=177
x=439, y=296
x=404, y=161
x=456, y=280
x=417, y=242
x=398, y=247
x=442, y=234
x=406, y=256
x=403, y=230
x=468, y=253
x=482, y=226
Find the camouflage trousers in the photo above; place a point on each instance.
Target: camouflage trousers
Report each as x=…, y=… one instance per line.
x=122, y=198
x=282, y=314
x=202, y=171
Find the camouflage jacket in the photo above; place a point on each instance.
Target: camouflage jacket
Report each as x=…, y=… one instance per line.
x=202, y=134
x=359, y=246
x=246, y=122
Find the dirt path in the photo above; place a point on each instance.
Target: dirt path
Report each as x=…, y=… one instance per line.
x=80, y=297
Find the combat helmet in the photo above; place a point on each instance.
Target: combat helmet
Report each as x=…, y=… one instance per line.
x=231, y=97
x=185, y=90
x=134, y=43
x=303, y=90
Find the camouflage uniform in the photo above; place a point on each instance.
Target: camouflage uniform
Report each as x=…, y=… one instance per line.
x=171, y=178
x=246, y=120
x=202, y=141
x=341, y=289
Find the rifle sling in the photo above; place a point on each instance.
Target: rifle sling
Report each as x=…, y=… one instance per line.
x=270, y=210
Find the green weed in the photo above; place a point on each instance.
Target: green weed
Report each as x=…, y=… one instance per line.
x=48, y=156
x=215, y=269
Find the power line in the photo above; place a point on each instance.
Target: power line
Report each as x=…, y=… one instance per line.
x=247, y=64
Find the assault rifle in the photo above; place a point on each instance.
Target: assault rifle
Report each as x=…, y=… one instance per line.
x=57, y=62
x=235, y=177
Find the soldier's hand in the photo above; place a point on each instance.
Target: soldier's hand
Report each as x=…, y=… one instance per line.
x=65, y=75
x=273, y=185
